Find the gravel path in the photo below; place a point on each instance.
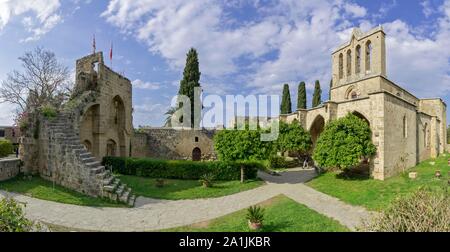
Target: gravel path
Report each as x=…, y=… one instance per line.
x=151, y=214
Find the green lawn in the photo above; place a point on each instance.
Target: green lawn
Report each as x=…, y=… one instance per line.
x=377, y=195
x=185, y=189
x=43, y=189
x=281, y=215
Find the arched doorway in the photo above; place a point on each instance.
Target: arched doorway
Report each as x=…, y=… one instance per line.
x=361, y=116
x=197, y=154
x=363, y=169
x=118, y=120
x=111, y=148
x=317, y=129
x=88, y=145
x=89, y=129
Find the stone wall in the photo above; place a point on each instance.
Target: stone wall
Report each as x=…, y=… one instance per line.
x=9, y=168
x=168, y=143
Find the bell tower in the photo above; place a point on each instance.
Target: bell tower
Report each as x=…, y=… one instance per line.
x=363, y=56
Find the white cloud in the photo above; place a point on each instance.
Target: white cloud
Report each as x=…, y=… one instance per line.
x=43, y=20
x=139, y=84
x=355, y=10
x=299, y=34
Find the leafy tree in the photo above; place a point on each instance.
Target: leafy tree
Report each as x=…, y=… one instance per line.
x=242, y=145
x=191, y=80
x=343, y=143
x=169, y=114
x=42, y=81
x=12, y=217
x=301, y=98
x=286, y=104
x=317, y=97
x=293, y=138
x=448, y=134
x=6, y=148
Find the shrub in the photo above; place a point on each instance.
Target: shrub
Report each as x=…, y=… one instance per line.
x=12, y=218
x=48, y=111
x=255, y=214
x=276, y=162
x=6, y=148
x=181, y=169
x=207, y=180
x=424, y=211
x=293, y=138
x=344, y=143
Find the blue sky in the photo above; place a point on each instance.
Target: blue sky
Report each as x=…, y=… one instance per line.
x=245, y=46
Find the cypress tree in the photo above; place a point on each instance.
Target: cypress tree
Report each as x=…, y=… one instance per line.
x=191, y=79
x=286, y=105
x=329, y=93
x=317, y=97
x=301, y=99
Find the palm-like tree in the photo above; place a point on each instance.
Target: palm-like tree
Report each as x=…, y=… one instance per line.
x=169, y=114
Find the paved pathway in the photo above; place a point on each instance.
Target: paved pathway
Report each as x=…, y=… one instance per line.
x=151, y=214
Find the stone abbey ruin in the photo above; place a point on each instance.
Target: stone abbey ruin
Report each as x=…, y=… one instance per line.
x=97, y=122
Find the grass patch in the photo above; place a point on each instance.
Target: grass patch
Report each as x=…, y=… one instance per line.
x=377, y=195
x=185, y=189
x=281, y=215
x=43, y=189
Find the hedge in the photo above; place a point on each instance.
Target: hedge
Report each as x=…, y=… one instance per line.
x=6, y=148
x=181, y=169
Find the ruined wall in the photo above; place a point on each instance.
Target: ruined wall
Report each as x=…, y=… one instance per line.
x=106, y=123
x=168, y=143
x=9, y=168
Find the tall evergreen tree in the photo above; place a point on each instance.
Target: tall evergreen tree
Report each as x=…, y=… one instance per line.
x=317, y=97
x=191, y=80
x=329, y=92
x=286, y=104
x=301, y=98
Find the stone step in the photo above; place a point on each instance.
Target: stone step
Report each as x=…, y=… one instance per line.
x=125, y=196
x=104, y=175
x=88, y=159
x=131, y=200
x=112, y=187
x=108, y=180
x=97, y=170
x=80, y=151
x=121, y=190
x=94, y=164
x=86, y=155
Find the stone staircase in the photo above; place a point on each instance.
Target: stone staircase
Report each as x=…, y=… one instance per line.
x=110, y=186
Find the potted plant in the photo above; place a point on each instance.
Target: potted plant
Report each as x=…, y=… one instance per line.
x=255, y=217
x=159, y=183
x=438, y=174
x=207, y=180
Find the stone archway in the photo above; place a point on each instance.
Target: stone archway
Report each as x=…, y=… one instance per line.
x=89, y=129
x=111, y=148
x=88, y=145
x=361, y=116
x=196, y=154
x=118, y=119
x=364, y=167
x=316, y=129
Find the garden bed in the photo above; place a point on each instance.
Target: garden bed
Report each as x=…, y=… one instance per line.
x=185, y=189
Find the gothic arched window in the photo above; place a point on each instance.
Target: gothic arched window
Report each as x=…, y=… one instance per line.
x=368, y=56
x=358, y=60
x=349, y=62
x=341, y=66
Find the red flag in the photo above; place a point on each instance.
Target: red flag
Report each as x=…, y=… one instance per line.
x=93, y=44
x=111, y=52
